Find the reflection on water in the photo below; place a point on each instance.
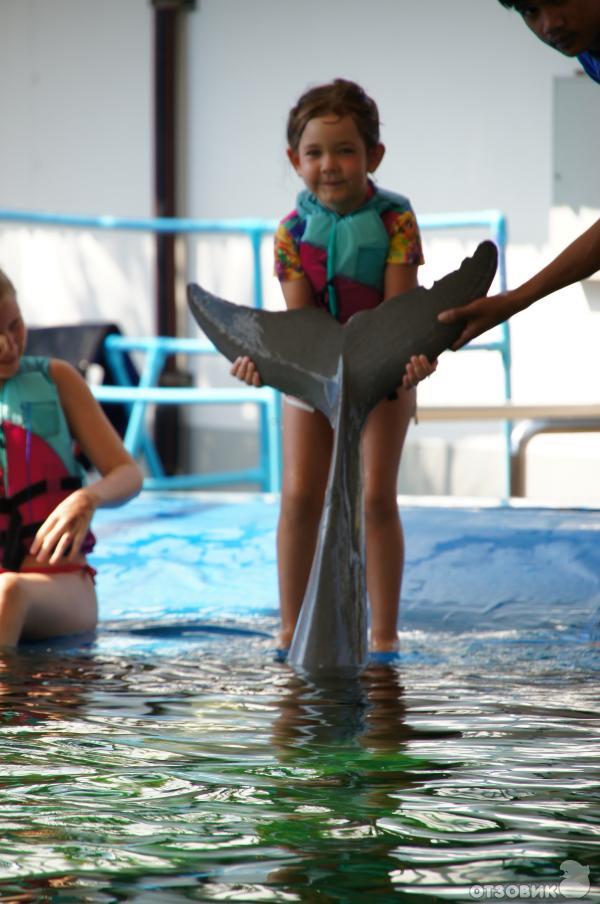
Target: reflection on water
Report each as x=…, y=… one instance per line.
x=200, y=770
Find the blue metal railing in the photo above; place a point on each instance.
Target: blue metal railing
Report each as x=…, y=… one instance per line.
x=268, y=472
x=156, y=350
x=495, y=222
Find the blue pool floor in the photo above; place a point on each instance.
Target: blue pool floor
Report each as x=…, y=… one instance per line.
x=188, y=557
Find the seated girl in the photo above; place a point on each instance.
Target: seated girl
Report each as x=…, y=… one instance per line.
x=46, y=409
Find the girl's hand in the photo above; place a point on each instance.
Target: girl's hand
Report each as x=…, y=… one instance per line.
x=417, y=369
x=244, y=369
x=64, y=530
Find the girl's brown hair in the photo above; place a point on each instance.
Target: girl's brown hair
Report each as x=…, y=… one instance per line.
x=342, y=98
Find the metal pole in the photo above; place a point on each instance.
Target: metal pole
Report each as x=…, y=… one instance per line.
x=165, y=199
x=166, y=51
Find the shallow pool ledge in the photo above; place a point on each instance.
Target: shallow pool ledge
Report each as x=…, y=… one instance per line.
x=469, y=565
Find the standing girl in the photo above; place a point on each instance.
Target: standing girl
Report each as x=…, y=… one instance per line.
x=347, y=246
x=46, y=584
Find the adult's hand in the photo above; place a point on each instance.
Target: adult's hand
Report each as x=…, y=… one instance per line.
x=480, y=315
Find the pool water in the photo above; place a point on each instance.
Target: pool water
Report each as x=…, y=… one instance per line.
x=169, y=758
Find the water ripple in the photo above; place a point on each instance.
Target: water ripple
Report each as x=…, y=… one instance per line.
x=208, y=772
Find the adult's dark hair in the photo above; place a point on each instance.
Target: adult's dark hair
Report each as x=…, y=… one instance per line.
x=342, y=98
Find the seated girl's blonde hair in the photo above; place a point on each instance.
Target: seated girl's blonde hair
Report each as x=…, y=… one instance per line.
x=6, y=287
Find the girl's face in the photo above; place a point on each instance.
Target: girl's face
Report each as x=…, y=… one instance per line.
x=570, y=26
x=334, y=163
x=12, y=336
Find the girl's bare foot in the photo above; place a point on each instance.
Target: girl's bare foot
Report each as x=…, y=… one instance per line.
x=284, y=639
x=384, y=644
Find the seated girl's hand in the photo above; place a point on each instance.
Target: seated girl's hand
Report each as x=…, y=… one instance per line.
x=244, y=369
x=64, y=530
x=417, y=369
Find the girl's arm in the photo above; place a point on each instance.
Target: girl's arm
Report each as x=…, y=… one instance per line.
x=297, y=293
x=61, y=535
x=399, y=278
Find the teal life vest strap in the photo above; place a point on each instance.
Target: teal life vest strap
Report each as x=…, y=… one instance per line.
x=332, y=299
x=356, y=244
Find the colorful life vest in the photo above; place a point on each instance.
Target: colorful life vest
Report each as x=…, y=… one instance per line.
x=38, y=468
x=346, y=255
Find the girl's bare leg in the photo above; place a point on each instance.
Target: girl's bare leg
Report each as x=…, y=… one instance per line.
x=383, y=440
x=36, y=606
x=307, y=444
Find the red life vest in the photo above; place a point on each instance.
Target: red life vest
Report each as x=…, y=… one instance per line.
x=34, y=477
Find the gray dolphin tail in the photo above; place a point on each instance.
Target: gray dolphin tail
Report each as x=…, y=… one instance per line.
x=344, y=371
x=381, y=342
x=294, y=351
x=299, y=351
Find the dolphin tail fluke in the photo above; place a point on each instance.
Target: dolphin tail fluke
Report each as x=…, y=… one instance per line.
x=294, y=351
x=381, y=342
x=299, y=351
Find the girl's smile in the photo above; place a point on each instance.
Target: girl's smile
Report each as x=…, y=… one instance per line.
x=334, y=163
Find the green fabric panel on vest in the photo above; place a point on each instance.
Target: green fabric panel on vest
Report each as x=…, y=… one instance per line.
x=361, y=240
x=361, y=244
x=30, y=400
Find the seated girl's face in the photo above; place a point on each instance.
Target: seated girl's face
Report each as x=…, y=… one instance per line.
x=12, y=336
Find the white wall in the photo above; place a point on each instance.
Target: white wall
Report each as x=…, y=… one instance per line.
x=464, y=93
x=75, y=100
x=75, y=114
x=466, y=123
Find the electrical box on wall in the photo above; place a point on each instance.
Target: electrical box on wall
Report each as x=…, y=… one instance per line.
x=576, y=143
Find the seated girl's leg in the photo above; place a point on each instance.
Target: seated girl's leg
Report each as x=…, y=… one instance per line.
x=307, y=444
x=383, y=439
x=36, y=606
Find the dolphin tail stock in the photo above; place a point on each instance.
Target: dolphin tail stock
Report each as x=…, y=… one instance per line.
x=331, y=631
x=295, y=351
x=407, y=325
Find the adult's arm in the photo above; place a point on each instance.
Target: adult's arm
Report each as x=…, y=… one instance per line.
x=579, y=260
